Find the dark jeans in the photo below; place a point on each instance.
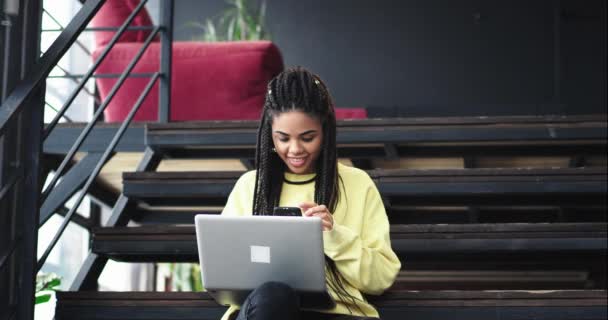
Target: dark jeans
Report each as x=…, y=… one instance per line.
x=275, y=300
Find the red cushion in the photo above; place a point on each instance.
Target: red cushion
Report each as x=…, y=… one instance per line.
x=112, y=14
x=351, y=113
x=211, y=81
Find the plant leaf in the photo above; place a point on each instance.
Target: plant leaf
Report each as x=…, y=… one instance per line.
x=53, y=283
x=240, y=21
x=43, y=298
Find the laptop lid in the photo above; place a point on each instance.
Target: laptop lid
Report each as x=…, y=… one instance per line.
x=238, y=254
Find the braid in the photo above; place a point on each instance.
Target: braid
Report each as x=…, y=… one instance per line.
x=298, y=89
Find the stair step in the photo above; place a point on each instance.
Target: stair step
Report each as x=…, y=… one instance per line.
x=586, y=186
x=457, y=135
x=579, y=247
x=393, y=305
x=412, y=214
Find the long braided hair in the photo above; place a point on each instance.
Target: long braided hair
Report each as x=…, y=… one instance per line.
x=298, y=89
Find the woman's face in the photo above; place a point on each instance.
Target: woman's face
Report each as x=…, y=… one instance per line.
x=297, y=138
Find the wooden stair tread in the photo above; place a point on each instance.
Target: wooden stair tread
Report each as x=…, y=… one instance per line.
x=481, y=120
x=448, y=297
x=412, y=214
x=392, y=305
x=591, y=229
x=394, y=130
x=491, y=174
x=503, y=247
x=413, y=187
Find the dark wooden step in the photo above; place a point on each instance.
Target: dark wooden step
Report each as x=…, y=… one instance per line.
x=492, y=280
x=548, y=135
x=409, y=187
x=393, y=305
x=459, y=136
x=579, y=247
x=414, y=215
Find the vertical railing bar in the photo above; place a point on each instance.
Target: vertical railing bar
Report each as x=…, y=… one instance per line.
x=97, y=169
x=10, y=183
x=7, y=24
x=12, y=311
x=105, y=52
x=61, y=28
x=9, y=252
x=166, y=43
x=90, y=125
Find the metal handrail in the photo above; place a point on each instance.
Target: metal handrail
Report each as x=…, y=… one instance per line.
x=80, y=45
x=102, y=75
x=67, y=73
x=97, y=63
x=96, y=116
x=15, y=105
x=61, y=28
x=134, y=28
x=29, y=86
x=98, y=168
x=55, y=109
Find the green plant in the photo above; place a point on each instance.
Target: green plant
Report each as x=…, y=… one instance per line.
x=239, y=22
x=183, y=277
x=46, y=284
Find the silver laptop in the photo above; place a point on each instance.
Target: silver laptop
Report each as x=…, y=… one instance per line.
x=238, y=254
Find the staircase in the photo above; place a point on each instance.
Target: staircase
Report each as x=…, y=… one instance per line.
x=518, y=242
x=493, y=217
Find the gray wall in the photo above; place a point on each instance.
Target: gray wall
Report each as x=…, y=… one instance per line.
x=441, y=57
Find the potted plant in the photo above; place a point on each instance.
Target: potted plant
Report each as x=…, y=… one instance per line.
x=46, y=285
x=239, y=22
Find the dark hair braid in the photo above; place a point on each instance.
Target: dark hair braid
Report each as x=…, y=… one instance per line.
x=298, y=89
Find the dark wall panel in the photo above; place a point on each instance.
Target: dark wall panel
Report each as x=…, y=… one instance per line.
x=441, y=57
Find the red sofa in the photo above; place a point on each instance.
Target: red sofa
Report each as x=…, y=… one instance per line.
x=210, y=80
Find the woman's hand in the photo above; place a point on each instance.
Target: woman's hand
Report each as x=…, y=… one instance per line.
x=311, y=209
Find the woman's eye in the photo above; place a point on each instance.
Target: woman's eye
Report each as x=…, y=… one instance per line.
x=307, y=139
x=284, y=139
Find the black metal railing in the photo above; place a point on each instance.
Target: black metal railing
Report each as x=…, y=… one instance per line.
x=96, y=115
x=33, y=87
x=68, y=74
x=97, y=169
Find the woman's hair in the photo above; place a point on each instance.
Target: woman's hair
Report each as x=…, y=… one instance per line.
x=297, y=89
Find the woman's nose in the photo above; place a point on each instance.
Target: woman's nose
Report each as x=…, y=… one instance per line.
x=295, y=148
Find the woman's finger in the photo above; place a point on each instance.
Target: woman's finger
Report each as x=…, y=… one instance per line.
x=313, y=210
x=307, y=205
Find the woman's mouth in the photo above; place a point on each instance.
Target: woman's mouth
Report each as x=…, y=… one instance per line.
x=296, y=161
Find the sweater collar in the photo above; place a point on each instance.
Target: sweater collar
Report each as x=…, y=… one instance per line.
x=299, y=178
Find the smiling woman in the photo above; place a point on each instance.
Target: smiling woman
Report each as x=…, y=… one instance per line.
x=297, y=139
x=296, y=166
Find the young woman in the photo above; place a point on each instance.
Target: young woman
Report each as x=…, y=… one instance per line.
x=297, y=166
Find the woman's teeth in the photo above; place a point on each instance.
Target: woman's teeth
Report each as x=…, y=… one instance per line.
x=296, y=162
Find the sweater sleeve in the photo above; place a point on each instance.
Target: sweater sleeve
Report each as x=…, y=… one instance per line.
x=365, y=260
x=240, y=200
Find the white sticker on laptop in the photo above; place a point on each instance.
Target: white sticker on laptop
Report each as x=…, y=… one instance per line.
x=260, y=254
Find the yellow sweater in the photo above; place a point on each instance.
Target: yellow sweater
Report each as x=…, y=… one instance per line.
x=359, y=242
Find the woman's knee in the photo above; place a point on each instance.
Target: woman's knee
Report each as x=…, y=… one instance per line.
x=271, y=300
x=277, y=293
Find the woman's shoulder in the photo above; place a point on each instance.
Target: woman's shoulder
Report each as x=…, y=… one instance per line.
x=353, y=175
x=247, y=178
